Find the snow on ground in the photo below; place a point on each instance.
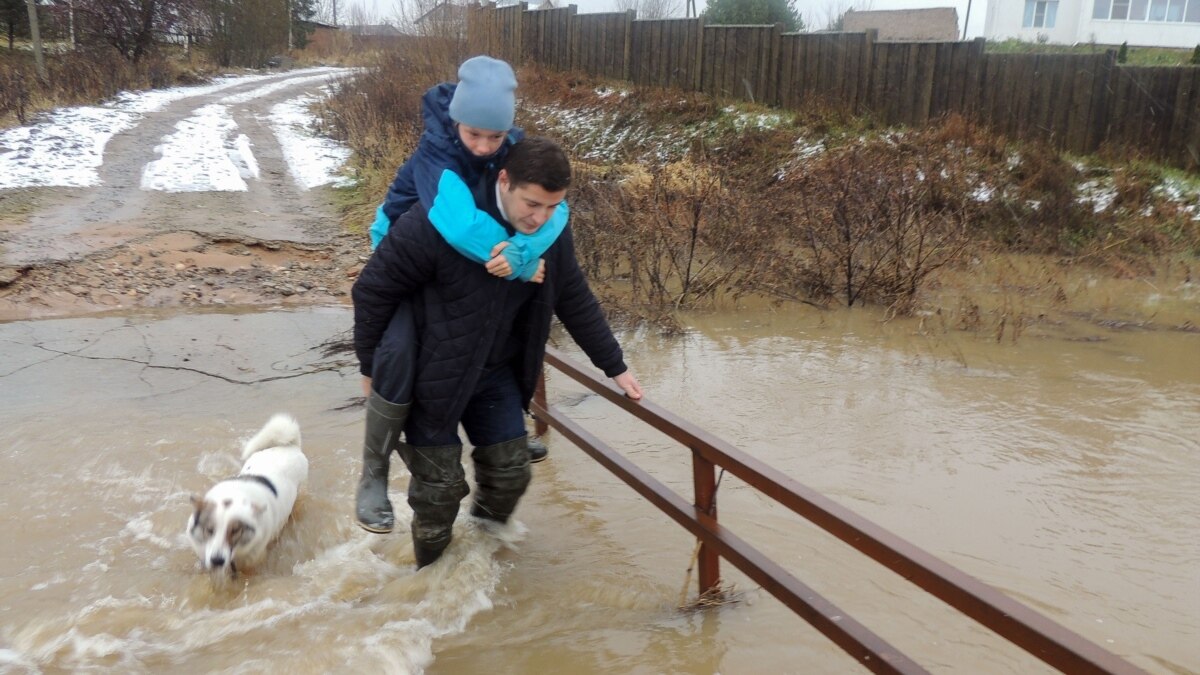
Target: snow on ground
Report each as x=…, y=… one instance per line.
x=273, y=87
x=312, y=160
x=65, y=147
x=201, y=156
x=157, y=99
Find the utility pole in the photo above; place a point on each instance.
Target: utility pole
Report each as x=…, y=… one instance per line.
x=36, y=34
x=965, y=21
x=690, y=11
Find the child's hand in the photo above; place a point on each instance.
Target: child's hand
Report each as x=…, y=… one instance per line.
x=540, y=275
x=498, y=265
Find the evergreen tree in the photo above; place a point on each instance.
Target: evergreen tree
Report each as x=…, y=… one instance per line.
x=1196, y=56
x=735, y=12
x=1123, y=53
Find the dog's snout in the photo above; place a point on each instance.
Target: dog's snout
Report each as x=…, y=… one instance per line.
x=217, y=560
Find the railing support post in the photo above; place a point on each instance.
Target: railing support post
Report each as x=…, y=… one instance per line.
x=540, y=427
x=704, y=482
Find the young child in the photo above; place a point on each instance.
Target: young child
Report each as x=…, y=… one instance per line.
x=468, y=132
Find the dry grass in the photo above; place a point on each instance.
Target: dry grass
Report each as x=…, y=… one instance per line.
x=87, y=76
x=735, y=210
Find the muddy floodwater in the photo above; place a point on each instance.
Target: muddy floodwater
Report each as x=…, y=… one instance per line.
x=1062, y=469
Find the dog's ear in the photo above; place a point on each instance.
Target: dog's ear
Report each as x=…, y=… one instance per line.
x=197, y=501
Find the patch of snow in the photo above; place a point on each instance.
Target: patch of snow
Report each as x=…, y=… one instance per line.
x=311, y=159
x=1100, y=194
x=268, y=89
x=243, y=157
x=983, y=193
x=64, y=148
x=199, y=156
x=605, y=92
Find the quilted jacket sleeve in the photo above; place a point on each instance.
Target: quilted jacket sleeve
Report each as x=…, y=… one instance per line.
x=580, y=313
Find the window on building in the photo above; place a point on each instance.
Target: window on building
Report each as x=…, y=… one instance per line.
x=1041, y=13
x=1135, y=10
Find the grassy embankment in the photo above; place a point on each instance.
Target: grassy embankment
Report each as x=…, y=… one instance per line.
x=87, y=76
x=682, y=202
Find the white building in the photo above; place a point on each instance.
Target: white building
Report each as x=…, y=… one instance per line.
x=1141, y=23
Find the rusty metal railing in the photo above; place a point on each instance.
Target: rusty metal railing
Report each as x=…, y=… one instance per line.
x=1054, y=644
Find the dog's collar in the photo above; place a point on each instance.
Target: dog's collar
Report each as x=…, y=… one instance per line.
x=260, y=479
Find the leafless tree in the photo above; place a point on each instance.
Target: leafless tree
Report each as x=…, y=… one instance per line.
x=832, y=15
x=329, y=11
x=651, y=9
x=357, y=14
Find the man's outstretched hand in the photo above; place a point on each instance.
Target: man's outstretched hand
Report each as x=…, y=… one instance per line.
x=629, y=384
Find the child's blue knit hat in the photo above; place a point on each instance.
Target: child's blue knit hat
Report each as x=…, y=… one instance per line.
x=485, y=97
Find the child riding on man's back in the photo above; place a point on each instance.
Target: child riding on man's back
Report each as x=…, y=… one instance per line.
x=468, y=133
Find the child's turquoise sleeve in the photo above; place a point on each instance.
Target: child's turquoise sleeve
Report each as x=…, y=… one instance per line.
x=470, y=231
x=474, y=233
x=379, y=228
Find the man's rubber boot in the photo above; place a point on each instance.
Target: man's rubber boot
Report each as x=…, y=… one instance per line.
x=501, y=475
x=385, y=422
x=537, y=450
x=435, y=490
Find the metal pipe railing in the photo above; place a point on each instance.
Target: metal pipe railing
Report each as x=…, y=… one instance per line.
x=1054, y=644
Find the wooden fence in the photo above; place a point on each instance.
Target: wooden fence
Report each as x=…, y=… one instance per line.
x=1074, y=102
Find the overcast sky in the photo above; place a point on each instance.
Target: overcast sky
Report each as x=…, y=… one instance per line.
x=815, y=12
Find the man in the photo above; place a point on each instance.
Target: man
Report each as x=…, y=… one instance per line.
x=481, y=341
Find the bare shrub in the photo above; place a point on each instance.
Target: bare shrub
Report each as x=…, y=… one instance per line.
x=14, y=94
x=876, y=219
x=673, y=236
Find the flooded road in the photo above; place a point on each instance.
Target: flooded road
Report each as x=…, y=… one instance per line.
x=1064, y=472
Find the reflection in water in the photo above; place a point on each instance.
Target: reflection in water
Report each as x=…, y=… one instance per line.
x=1065, y=473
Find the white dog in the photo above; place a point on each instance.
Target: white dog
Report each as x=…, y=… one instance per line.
x=236, y=520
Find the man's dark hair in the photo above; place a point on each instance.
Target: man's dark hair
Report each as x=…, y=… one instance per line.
x=538, y=160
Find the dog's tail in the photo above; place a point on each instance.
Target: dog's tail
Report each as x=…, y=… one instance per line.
x=281, y=429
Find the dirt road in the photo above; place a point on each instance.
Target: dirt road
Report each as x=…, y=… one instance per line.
x=68, y=251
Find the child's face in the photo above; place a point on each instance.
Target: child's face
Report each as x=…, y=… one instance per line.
x=480, y=142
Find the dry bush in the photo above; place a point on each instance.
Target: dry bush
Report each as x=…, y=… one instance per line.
x=83, y=76
x=15, y=94
x=378, y=114
x=673, y=236
x=876, y=219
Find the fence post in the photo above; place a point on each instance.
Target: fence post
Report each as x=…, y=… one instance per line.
x=626, y=66
x=866, y=99
x=704, y=484
x=540, y=426
x=775, y=71
x=1102, y=101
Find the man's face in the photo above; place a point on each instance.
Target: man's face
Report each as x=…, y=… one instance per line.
x=480, y=142
x=528, y=205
